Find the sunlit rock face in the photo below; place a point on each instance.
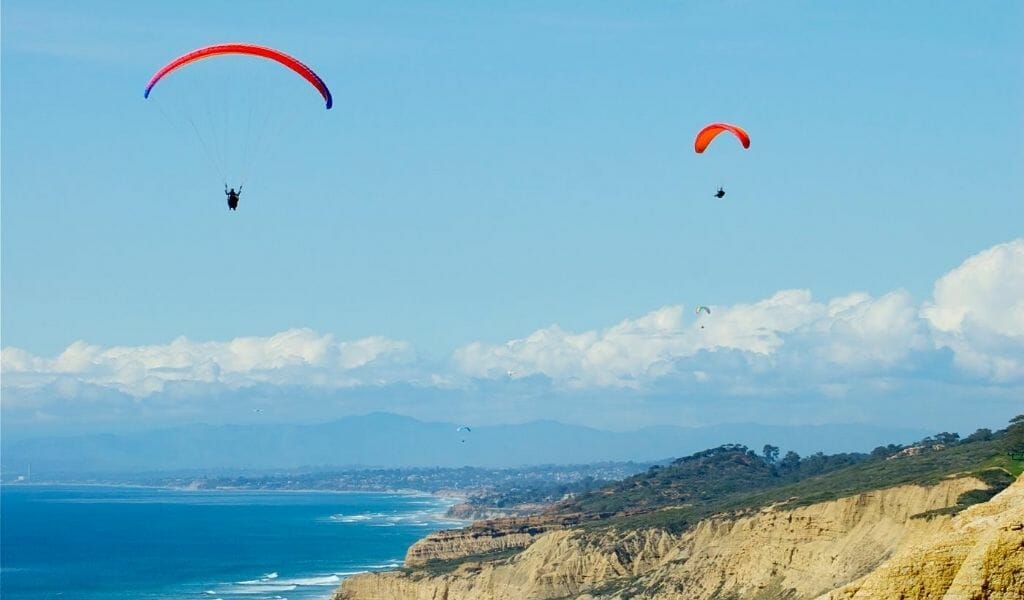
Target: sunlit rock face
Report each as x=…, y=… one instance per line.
x=863, y=546
x=979, y=554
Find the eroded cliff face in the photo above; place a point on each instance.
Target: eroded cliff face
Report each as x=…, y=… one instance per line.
x=558, y=564
x=978, y=554
x=800, y=553
x=484, y=537
x=803, y=552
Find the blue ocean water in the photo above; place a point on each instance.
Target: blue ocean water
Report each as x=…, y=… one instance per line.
x=107, y=543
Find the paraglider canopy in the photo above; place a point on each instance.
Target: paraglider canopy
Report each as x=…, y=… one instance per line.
x=706, y=135
x=247, y=49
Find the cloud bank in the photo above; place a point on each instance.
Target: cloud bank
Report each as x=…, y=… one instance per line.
x=296, y=356
x=977, y=313
x=787, y=330
x=969, y=334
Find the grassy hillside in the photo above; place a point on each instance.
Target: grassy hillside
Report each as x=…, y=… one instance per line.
x=733, y=478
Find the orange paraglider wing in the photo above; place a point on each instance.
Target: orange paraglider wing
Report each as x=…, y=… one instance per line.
x=707, y=134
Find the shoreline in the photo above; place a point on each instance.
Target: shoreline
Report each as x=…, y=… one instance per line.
x=422, y=511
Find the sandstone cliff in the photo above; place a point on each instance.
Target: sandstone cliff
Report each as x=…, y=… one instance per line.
x=774, y=553
x=484, y=537
x=805, y=551
x=979, y=554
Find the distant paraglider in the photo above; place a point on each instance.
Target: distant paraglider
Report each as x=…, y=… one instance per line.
x=463, y=429
x=701, y=309
x=720, y=193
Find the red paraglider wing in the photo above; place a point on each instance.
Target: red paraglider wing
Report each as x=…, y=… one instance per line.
x=249, y=49
x=707, y=134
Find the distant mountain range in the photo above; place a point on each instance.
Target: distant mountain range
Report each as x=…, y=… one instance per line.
x=389, y=440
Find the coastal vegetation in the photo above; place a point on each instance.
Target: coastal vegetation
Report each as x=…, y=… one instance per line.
x=732, y=522
x=735, y=479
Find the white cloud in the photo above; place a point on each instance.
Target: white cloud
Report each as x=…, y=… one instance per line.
x=854, y=331
x=363, y=352
x=978, y=312
x=632, y=350
x=861, y=331
x=295, y=356
x=785, y=343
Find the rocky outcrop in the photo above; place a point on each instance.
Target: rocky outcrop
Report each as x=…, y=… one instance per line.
x=467, y=511
x=484, y=537
x=978, y=554
x=559, y=564
x=774, y=553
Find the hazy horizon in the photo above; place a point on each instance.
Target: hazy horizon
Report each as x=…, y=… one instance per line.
x=385, y=440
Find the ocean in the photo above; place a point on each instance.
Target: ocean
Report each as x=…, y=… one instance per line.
x=107, y=543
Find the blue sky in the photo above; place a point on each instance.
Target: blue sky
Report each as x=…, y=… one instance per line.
x=490, y=172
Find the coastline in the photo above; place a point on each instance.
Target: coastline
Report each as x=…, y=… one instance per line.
x=407, y=514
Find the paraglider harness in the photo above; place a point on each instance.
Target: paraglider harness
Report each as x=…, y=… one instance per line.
x=232, y=197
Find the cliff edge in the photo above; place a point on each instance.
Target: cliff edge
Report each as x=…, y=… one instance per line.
x=941, y=519
x=871, y=545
